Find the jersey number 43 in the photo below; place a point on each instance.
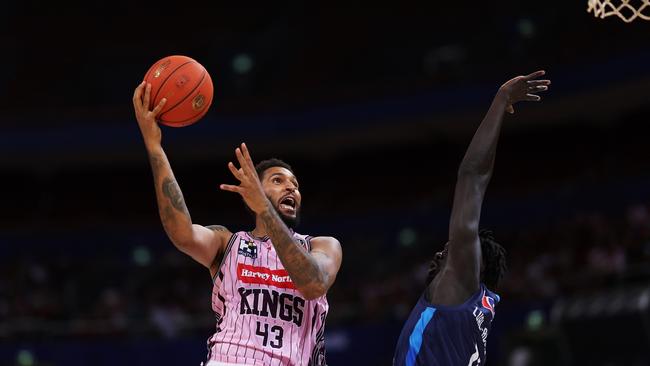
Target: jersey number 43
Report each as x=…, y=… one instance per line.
x=276, y=333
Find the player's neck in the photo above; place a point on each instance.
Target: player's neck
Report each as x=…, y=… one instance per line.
x=260, y=229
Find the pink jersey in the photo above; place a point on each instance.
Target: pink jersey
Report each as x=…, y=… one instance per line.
x=262, y=319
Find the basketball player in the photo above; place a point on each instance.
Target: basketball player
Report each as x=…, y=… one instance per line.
x=269, y=284
x=450, y=322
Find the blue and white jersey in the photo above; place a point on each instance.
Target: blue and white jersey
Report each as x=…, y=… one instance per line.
x=436, y=335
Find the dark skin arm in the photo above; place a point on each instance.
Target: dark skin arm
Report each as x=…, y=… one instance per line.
x=460, y=274
x=204, y=244
x=313, y=272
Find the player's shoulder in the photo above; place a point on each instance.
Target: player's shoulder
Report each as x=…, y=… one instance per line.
x=327, y=244
x=221, y=233
x=327, y=240
x=218, y=228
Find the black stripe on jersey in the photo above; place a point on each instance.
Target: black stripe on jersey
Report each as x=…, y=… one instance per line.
x=313, y=319
x=303, y=340
x=223, y=259
x=308, y=241
x=290, y=341
x=224, y=311
x=250, y=319
x=234, y=291
x=317, y=357
x=220, y=274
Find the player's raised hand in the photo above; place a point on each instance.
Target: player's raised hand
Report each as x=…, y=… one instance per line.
x=250, y=187
x=523, y=88
x=147, y=118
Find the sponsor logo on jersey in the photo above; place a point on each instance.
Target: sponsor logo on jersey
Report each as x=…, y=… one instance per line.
x=264, y=276
x=488, y=303
x=247, y=248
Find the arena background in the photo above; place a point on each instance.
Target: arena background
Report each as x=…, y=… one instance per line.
x=373, y=106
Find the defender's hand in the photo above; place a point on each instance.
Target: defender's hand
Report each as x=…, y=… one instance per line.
x=147, y=118
x=250, y=187
x=523, y=88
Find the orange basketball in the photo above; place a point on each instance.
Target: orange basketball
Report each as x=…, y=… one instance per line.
x=186, y=85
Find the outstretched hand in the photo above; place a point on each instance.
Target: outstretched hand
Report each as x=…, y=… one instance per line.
x=250, y=187
x=523, y=88
x=146, y=117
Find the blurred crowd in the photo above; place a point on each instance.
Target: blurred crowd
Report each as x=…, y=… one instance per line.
x=588, y=252
x=158, y=290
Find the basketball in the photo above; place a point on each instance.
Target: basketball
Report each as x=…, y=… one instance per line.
x=187, y=86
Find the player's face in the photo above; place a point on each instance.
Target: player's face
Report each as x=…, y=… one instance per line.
x=281, y=187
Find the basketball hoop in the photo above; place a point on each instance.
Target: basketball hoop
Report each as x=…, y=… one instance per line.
x=628, y=10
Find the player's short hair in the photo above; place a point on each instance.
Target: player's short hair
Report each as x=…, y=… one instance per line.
x=494, y=259
x=264, y=165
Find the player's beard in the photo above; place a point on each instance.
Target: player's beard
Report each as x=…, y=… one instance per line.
x=291, y=222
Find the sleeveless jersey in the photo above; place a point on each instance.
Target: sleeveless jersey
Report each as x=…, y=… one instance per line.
x=262, y=319
x=436, y=335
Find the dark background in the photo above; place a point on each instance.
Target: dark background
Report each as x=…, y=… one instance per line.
x=373, y=107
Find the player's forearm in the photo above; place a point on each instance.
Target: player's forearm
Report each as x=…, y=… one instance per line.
x=474, y=175
x=479, y=158
x=173, y=212
x=301, y=266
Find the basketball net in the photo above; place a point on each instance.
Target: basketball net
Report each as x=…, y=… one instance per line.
x=628, y=10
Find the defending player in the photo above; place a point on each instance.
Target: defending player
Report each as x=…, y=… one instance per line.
x=449, y=324
x=270, y=284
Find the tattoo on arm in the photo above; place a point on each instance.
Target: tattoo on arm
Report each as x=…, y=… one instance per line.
x=174, y=202
x=172, y=191
x=217, y=228
x=302, y=267
x=156, y=163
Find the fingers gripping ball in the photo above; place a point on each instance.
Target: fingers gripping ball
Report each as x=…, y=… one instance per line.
x=187, y=86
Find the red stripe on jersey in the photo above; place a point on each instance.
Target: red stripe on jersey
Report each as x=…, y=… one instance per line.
x=264, y=276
